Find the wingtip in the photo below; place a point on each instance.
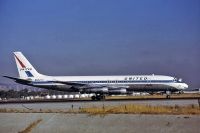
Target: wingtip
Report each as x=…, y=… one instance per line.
x=5, y=76
x=9, y=77
x=17, y=52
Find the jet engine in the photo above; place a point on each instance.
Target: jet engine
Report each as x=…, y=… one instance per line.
x=97, y=90
x=117, y=91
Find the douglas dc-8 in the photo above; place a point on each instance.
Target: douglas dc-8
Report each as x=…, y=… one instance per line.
x=98, y=85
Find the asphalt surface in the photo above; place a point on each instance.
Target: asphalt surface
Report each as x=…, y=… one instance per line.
x=68, y=105
x=118, y=123
x=75, y=123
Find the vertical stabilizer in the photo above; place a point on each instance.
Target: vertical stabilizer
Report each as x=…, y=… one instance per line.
x=25, y=69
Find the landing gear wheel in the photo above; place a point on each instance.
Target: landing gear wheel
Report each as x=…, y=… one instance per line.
x=181, y=92
x=98, y=97
x=93, y=98
x=168, y=96
x=101, y=97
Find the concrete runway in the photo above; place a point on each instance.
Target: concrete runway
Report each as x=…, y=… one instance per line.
x=68, y=105
x=118, y=123
x=75, y=123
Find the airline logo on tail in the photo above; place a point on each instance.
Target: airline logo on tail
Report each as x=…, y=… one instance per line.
x=21, y=64
x=24, y=68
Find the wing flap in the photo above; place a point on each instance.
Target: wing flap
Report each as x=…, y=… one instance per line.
x=69, y=83
x=80, y=85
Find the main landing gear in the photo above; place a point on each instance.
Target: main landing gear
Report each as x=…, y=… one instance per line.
x=98, y=97
x=168, y=94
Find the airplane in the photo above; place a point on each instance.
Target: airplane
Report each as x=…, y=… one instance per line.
x=98, y=85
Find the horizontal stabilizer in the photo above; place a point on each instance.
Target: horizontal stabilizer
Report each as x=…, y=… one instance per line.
x=18, y=79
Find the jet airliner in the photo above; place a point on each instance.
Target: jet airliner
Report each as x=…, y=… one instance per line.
x=98, y=85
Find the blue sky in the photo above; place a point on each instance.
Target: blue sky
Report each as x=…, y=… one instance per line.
x=96, y=37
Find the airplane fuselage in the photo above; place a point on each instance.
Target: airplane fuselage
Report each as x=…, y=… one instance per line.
x=129, y=82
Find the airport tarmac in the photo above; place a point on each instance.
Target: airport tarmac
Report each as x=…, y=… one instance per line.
x=118, y=123
x=68, y=105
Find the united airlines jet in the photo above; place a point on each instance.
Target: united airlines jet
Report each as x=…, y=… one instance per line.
x=99, y=85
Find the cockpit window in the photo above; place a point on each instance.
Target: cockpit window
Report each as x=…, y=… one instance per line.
x=178, y=80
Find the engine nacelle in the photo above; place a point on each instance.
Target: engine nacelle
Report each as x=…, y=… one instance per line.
x=117, y=91
x=97, y=90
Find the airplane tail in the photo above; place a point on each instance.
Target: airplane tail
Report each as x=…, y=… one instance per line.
x=25, y=69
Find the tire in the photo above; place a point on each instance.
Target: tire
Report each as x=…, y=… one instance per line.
x=93, y=98
x=98, y=98
x=168, y=96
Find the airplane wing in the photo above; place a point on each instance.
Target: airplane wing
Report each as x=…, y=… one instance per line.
x=80, y=85
x=18, y=79
x=70, y=83
x=87, y=85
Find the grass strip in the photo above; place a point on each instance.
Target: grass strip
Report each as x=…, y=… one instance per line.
x=118, y=109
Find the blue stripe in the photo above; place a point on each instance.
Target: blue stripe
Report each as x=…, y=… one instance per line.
x=127, y=81
x=43, y=82
x=113, y=81
x=29, y=74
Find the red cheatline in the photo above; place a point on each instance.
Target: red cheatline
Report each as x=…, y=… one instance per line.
x=22, y=65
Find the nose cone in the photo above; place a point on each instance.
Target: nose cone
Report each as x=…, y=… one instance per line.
x=185, y=86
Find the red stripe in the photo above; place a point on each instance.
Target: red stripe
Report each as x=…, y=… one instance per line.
x=22, y=65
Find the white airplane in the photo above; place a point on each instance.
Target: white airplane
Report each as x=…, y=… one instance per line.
x=99, y=85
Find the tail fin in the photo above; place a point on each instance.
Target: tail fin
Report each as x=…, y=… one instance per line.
x=25, y=69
